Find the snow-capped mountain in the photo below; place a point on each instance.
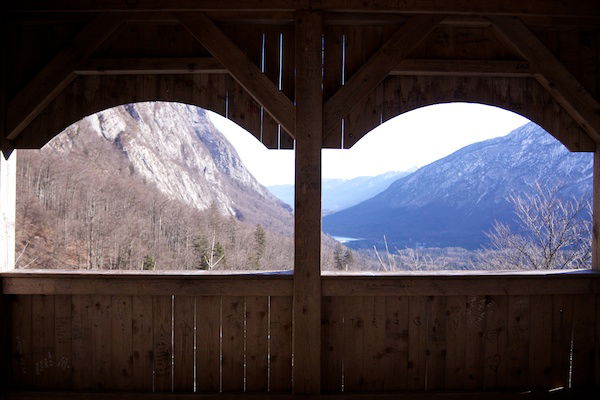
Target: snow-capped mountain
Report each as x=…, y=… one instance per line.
x=177, y=148
x=453, y=201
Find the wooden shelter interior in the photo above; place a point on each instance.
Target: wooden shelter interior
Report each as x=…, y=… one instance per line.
x=289, y=72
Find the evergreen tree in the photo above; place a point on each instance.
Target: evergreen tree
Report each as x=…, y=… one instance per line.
x=348, y=259
x=338, y=257
x=148, y=264
x=261, y=246
x=219, y=254
x=202, y=250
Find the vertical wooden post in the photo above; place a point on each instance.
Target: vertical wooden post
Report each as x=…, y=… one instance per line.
x=596, y=214
x=8, y=169
x=307, y=233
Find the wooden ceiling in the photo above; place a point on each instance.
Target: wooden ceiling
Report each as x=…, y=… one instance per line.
x=67, y=59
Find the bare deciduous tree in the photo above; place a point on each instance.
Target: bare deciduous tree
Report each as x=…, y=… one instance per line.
x=555, y=233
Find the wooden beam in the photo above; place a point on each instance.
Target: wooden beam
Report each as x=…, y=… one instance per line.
x=477, y=285
x=25, y=282
x=376, y=69
x=484, y=68
x=557, y=394
x=530, y=7
x=596, y=213
x=552, y=74
x=58, y=73
x=150, y=66
x=210, y=65
x=244, y=71
x=146, y=284
x=307, y=211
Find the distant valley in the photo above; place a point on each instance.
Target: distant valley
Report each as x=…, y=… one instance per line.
x=339, y=194
x=452, y=202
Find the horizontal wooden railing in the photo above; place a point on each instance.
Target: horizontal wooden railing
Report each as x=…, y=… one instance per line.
x=233, y=333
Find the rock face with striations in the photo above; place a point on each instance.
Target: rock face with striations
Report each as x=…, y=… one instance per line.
x=177, y=148
x=453, y=201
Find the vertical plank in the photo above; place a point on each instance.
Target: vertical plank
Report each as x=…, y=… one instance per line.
x=363, y=117
x=597, y=343
x=436, y=342
x=417, y=343
x=233, y=344
x=271, y=70
x=332, y=79
x=208, y=344
x=121, y=362
x=495, y=338
x=307, y=210
x=42, y=314
x=562, y=323
x=361, y=43
x=392, y=97
x=596, y=213
x=5, y=357
x=456, y=344
x=288, y=70
x=354, y=346
x=583, y=341
x=374, y=339
x=217, y=93
x=474, y=334
x=280, y=345
x=161, y=339
x=142, y=345
x=100, y=318
x=257, y=351
x=81, y=339
x=242, y=109
x=63, y=341
x=540, y=338
x=518, y=344
x=333, y=344
x=21, y=342
x=396, y=339
x=183, y=344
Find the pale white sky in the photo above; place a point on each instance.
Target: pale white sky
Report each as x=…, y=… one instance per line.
x=410, y=140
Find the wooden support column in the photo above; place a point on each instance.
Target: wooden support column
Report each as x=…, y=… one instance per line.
x=8, y=174
x=307, y=236
x=596, y=212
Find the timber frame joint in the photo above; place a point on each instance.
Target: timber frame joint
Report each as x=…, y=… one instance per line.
x=550, y=72
x=241, y=68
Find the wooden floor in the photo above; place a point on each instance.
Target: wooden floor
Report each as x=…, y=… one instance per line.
x=553, y=395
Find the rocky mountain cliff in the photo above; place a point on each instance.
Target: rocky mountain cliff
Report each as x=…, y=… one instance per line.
x=176, y=148
x=146, y=186
x=454, y=200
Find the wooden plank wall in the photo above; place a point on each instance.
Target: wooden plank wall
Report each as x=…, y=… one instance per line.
x=186, y=344
x=458, y=343
x=346, y=48
x=270, y=47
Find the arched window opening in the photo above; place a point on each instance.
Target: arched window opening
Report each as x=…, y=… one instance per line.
x=457, y=187
x=148, y=186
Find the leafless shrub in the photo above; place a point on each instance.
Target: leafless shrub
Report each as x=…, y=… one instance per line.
x=555, y=233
